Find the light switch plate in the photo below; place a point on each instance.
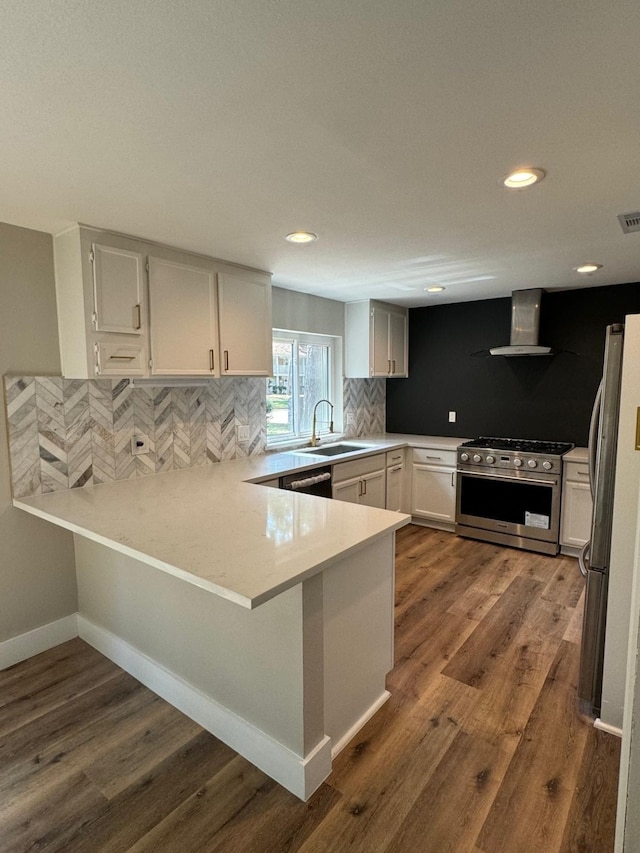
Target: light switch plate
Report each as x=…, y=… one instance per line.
x=242, y=432
x=452, y=417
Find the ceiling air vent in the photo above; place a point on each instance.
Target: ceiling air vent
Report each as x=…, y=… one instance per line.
x=629, y=221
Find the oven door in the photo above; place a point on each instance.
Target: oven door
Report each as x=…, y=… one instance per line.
x=522, y=504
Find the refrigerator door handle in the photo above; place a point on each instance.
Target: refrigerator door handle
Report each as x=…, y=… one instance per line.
x=593, y=437
x=583, y=558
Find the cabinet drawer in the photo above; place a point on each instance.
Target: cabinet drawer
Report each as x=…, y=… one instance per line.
x=434, y=456
x=120, y=359
x=395, y=457
x=358, y=467
x=576, y=472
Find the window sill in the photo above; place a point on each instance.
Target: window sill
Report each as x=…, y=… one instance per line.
x=295, y=443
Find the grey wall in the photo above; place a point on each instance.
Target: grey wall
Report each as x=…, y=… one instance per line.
x=37, y=575
x=302, y=312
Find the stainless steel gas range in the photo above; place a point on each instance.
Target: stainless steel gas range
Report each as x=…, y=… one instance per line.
x=508, y=492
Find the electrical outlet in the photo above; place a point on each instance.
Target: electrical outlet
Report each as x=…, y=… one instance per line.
x=350, y=419
x=242, y=432
x=139, y=444
x=452, y=417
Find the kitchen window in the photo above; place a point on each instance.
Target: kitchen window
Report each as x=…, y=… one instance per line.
x=305, y=368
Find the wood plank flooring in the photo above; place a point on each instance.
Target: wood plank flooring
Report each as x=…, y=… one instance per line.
x=479, y=750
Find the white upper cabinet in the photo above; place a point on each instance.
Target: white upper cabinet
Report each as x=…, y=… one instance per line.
x=118, y=290
x=130, y=308
x=376, y=340
x=184, y=323
x=244, y=303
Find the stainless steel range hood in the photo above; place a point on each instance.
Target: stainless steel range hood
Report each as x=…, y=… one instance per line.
x=525, y=325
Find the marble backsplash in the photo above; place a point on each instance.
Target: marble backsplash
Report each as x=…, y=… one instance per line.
x=67, y=433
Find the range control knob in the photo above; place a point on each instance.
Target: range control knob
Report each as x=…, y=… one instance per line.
x=490, y=460
x=517, y=463
x=477, y=457
x=532, y=463
x=464, y=457
x=548, y=465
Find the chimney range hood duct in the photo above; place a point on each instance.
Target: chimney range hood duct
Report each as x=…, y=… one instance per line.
x=525, y=325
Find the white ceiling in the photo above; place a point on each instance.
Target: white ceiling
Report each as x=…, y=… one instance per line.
x=221, y=125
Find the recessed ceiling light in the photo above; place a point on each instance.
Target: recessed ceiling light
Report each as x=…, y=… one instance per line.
x=526, y=177
x=301, y=237
x=585, y=269
x=435, y=288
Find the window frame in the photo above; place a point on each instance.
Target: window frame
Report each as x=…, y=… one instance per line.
x=334, y=381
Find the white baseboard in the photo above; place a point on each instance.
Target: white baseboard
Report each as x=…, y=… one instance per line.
x=364, y=719
x=605, y=727
x=300, y=775
x=39, y=640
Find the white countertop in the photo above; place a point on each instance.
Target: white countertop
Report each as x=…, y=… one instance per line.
x=578, y=454
x=212, y=527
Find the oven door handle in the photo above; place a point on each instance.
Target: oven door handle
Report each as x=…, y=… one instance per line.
x=506, y=477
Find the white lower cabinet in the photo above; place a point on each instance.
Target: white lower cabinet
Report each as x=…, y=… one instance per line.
x=433, y=486
x=577, y=506
x=361, y=481
x=395, y=480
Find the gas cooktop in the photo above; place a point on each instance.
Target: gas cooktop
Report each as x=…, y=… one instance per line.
x=521, y=445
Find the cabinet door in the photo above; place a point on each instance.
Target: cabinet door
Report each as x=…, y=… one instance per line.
x=373, y=490
x=348, y=490
x=245, y=326
x=395, y=483
x=380, y=358
x=434, y=492
x=118, y=290
x=183, y=320
x=576, y=514
x=398, y=344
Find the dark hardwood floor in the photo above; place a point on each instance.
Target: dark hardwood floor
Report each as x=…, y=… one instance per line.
x=479, y=750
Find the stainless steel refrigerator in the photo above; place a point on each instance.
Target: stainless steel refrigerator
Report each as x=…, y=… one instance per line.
x=595, y=556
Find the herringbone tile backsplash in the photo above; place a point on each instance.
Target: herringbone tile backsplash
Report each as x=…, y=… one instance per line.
x=67, y=433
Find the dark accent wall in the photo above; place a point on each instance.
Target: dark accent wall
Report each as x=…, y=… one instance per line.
x=547, y=398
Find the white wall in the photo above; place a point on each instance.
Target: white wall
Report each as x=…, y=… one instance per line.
x=37, y=576
x=302, y=312
x=623, y=536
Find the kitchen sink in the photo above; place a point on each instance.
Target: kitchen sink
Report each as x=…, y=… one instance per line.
x=334, y=449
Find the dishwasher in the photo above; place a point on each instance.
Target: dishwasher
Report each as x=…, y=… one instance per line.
x=315, y=481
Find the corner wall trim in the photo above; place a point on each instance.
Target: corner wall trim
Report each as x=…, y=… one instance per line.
x=38, y=640
x=298, y=774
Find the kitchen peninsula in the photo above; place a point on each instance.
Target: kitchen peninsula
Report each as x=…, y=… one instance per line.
x=265, y=615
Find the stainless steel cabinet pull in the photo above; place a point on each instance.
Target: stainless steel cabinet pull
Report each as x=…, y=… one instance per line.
x=453, y=479
x=121, y=357
x=389, y=368
x=212, y=365
x=138, y=316
x=399, y=468
x=364, y=483
x=394, y=365
x=434, y=457
x=226, y=359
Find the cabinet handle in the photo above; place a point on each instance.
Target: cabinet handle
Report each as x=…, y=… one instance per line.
x=138, y=317
x=583, y=473
x=434, y=457
x=453, y=479
x=212, y=365
x=394, y=365
x=121, y=357
x=226, y=359
x=399, y=468
x=389, y=368
x=364, y=484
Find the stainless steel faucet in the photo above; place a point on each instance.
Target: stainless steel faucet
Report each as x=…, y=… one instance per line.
x=314, y=438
